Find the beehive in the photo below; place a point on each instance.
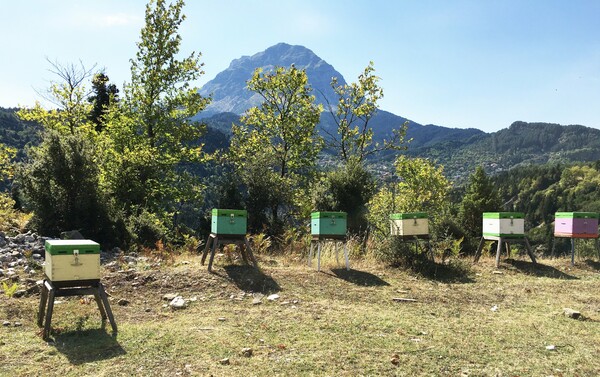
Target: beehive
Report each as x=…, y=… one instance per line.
x=504, y=224
x=328, y=223
x=229, y=221
x=72, y=260
x=409, y=224
x=576, y=224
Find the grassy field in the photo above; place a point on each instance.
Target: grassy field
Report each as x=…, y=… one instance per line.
x=488, y=322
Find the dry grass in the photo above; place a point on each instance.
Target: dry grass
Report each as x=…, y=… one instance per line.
x=332, y=322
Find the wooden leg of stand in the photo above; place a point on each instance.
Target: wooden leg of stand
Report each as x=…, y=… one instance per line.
x=215, y=245
x=206, y=248
x=104, y=299
x=346, y=256
x=479, y=248
x=498, y=251
x=48, y=322
x=310, y=253
x=529, y=251
x=42, y=308
x=249, y=251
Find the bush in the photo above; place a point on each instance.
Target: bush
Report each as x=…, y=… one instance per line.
x=60, y=184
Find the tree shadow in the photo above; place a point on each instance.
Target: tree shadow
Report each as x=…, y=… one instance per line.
x=361, y=278
x=539, y=269
x=87, y=346
x=251, y=279
x=593, y=264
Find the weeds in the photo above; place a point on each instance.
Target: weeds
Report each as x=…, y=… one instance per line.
x=9, y=290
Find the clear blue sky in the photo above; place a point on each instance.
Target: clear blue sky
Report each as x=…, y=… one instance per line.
x=478, y=63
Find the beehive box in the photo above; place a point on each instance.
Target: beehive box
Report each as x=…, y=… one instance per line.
x=328, y=223
x=409, y=224
x=576, y=224
x=229, y=221
x=504, y=224
x=72, y=260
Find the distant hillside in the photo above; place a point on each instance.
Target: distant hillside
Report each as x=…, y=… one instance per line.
x=520, y=144
x=16, y=133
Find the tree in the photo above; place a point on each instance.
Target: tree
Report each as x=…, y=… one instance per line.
x=69, y=94
x=150, y=136
x=103, y=95
x=357, y=105
x=279, y=138
x=480, y=196
x=422, y=187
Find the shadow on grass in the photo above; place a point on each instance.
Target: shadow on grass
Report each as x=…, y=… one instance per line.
x=593, y=264
x=87, y=346
x=458, y=271
x=361, y=278
x=251, y=279
x=539, y=269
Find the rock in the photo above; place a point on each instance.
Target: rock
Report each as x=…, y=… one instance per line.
x=494, y=308
x=6, y=323
x=257, y=301
x=123, y=302
x=395, y=360
x=247, y=352
x=224, y=361
x=34, y=289
x=178, y=303
x=17, y=324
x=222, y=319
x=273, y=297
x=170, y=296
x=19, y=293
x=572, y=313
x=551, y=347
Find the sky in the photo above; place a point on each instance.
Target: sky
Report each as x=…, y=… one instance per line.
x=466, y=64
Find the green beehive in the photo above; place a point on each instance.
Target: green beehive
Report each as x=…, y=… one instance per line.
x=328, y=223
x=409, y=224
x=229, y=221
x=68, y=260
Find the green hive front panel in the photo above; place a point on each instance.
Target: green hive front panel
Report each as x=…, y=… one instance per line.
x=328, y=223
x=229, y=221
x=504, y=224
x=409, y=224
x=68, y=260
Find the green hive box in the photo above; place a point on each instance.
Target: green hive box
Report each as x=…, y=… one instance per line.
x=328, y=223
x=229, y=221
x=504, y=224
x=68, y=260
x=409, y=224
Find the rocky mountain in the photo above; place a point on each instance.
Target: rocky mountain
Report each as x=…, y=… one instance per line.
x=230, y=95
x=229, y=91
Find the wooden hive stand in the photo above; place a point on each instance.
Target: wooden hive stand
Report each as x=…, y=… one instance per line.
x=216, y=240
x=51, y=290
x=504, y=241
x=320, y=240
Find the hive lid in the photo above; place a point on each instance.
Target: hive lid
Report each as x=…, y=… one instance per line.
x=576, y=215
x=409, y=215
x=321, y=215
x=503, y=215
x=229, y=212
x=55, y=247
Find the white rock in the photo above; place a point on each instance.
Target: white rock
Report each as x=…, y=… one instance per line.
x=178, y=303
x=551, y=347
x=494, y=308
x=273, y=297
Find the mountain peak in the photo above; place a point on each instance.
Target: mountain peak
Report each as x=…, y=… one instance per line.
x=229, y=91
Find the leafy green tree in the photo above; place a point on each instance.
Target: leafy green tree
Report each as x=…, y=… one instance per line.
x=347, y=189
x=422, y=187
x=102, y=96
x=278, y=140
x=69, y=95
x=61, y=186
x=150, y=139
x=357, y=105
x=481, y=196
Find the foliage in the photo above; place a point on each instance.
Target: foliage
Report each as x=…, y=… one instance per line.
x=69, y=94
x=357, y=104
x=61, y=187
x=103, y=95
x=422, y=188
x=9, y=291
x=275, y=149
x=347, y=189
x=481, y=196
x=149, y=141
